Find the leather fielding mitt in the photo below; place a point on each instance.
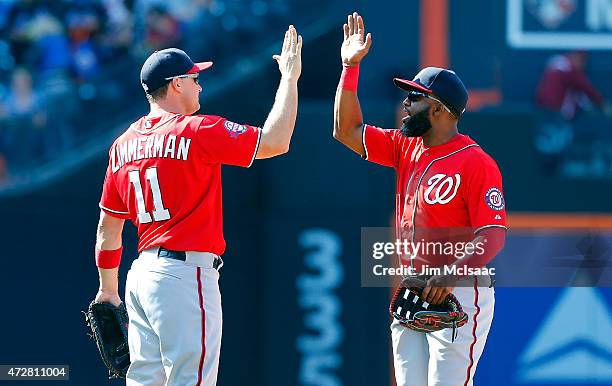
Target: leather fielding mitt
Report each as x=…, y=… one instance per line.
x=109, y=326
x=410, y=310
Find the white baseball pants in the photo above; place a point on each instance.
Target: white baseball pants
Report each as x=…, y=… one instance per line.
x=431, y=359
x=175, y=320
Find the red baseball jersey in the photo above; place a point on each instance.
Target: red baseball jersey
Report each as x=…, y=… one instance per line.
x=456, y=185
x=164, y=174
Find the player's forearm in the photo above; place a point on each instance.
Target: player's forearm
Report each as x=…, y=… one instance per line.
x=109, y=277
x=491, y=241
x=108, y=251
x=347, y=112
x=348, y=119
x=108, y=235
x=278, y=128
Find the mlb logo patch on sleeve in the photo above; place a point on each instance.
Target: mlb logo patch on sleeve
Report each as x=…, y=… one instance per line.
x=234, y=129
x=495, y=199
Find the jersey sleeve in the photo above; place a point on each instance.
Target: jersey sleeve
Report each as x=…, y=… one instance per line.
x=226, y=142
x=111, y=201
x=380, y=146
x=484, y=195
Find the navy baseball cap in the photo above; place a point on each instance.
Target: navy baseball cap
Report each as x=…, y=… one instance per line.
x=442, y=83
x=165, y=64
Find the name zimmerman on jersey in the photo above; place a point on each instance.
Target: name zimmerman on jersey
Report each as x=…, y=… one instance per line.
x=152, y=146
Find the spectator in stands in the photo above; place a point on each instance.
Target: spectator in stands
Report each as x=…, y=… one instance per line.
x=52, y=66
x=565, y=88
x=50, y=42
x=563, y=93
x=20, y=19
x=89, y=24
x=162, y=29
x=118, y=33
x=81, y=27
x=24, y=115
x=100, y=38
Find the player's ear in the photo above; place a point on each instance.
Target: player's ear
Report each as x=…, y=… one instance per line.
x=438, y=109
x=433, y=110
x=176, y=84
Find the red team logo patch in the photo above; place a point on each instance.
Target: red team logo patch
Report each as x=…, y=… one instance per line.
x=234, y=129
x=495, y=199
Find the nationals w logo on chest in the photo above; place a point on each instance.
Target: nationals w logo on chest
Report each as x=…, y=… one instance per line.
x=441, y=189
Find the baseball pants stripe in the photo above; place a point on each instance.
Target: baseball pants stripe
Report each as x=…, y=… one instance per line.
x=203, y=336
x=468, y=376
x=175, y=322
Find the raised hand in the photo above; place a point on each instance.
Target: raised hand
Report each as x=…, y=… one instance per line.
x=290, y=59
x=356, y=44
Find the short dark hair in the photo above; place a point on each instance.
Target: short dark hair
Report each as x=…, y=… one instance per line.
x=158, y=94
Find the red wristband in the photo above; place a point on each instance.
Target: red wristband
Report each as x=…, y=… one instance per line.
x=349, y=78
x=108, y=259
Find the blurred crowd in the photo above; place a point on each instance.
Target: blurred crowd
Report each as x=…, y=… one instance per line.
x=69, y=69
x=573, y=132
x=67, y=65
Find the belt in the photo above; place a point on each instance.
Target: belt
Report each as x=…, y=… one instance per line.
x=182, y=256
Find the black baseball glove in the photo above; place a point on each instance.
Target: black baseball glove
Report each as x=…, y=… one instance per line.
x=410, y=310
x=109, y=326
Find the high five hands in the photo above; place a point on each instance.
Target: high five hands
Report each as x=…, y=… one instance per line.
x=290, y=59
x=356, y=43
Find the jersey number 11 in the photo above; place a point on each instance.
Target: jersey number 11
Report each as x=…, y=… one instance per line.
x=159, y=213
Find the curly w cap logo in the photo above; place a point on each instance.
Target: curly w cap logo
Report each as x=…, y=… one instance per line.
x=442, y=188
x=234, y=129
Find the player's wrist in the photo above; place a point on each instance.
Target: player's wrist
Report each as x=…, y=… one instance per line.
x=106, y=293
x=109, y=282
x=289, y=78
x=350, y=63
x=349, y=79
x=108, y=296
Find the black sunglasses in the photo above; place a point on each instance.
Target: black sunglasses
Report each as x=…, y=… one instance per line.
x=415, y=96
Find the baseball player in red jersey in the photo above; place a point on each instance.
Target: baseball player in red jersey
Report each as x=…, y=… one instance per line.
x=164, y=174
x=444, y=181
